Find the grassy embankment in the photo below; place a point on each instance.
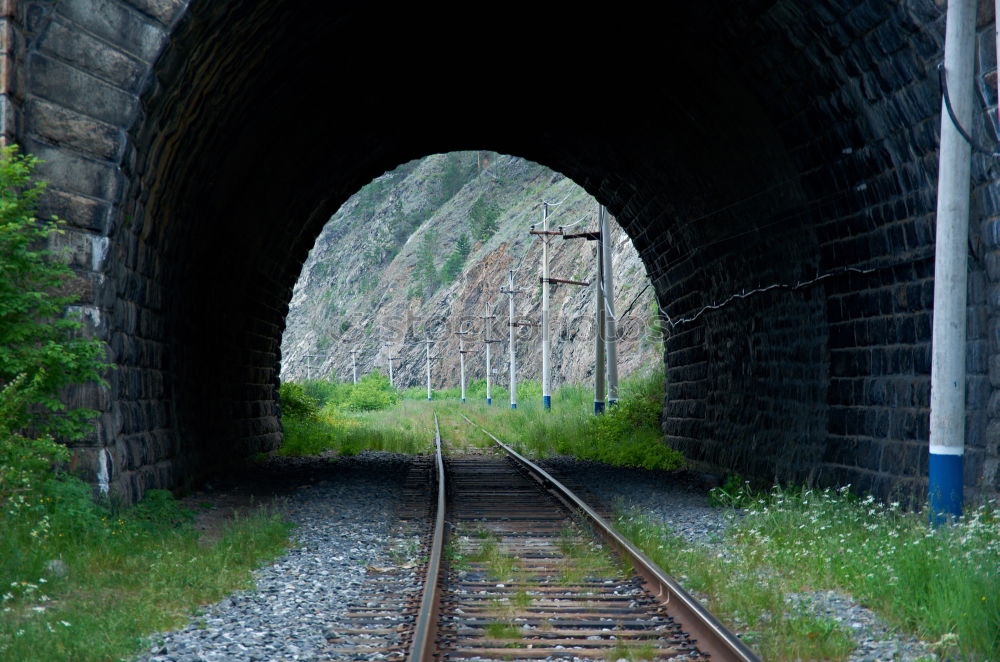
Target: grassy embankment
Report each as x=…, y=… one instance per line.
x=82, y=581
x=942, y=585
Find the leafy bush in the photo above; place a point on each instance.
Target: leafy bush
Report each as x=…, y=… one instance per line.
x=325, y=391
x=37, y=339
x=41, y=351
x=372, y=392
x=627, y=434
x=295, y=403
x=306, y=436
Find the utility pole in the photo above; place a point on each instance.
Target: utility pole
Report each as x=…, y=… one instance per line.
x=546, y=392
x=545, y=234
x=461, y=359
x=427, y=346
x=947, y=421
x=488, y=340
x=607, y=285
x=392, y=382
x=600, y=348
x=513, y=373
x=354, y=364
x=461, y=363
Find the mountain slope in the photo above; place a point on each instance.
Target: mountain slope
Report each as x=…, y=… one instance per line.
x=391, y=268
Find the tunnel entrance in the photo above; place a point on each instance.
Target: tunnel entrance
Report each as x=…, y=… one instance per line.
x=773, y=162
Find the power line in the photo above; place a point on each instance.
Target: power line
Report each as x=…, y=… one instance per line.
x=556, y=204
x=759, y=290
x=634, y=301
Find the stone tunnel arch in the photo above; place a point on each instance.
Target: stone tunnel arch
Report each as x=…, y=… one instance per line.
x=198, y=147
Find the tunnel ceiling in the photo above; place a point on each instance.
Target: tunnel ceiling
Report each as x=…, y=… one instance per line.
x=742, y=145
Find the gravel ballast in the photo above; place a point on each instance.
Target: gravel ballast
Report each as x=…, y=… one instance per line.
x=680, y=500
x=344, y=512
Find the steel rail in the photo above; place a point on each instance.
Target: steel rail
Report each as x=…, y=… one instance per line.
x=712, y=637
x=424, y=644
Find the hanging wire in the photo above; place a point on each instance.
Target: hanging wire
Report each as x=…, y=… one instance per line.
x=582, y=219
x=943, y=82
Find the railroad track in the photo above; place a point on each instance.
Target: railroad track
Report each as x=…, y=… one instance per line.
x=514, y=571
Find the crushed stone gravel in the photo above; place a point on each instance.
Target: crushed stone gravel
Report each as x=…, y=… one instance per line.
x=344, y=512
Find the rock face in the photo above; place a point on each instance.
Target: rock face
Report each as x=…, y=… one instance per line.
x=365, y=286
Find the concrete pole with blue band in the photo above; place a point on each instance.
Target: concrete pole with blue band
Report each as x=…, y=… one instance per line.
x=948, y=349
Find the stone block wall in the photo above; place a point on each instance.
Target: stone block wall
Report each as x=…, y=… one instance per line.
x=774, y=162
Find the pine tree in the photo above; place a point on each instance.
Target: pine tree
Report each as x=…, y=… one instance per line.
x=483, y=217
x=456, y=259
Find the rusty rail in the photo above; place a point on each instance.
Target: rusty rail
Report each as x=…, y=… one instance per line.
x=711, y=635
x=424, y=641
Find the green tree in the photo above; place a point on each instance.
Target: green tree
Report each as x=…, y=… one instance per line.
x=42, y=350
x=483, y=217
x=456, y=260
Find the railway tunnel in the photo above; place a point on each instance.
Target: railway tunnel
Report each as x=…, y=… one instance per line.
x=774, y=163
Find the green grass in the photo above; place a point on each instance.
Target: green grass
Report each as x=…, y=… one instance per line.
x=625, y=651
x=502, y=631
x=500, y=566
x=942, y=585
x=128, y=574
x=589, y=560
x=408, y=427
x=626, y=435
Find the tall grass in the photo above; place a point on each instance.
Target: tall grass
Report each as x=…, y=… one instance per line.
x=943, y=583
x=627, y=435
x=99, y=580
x=940, y=584
x=348, y=418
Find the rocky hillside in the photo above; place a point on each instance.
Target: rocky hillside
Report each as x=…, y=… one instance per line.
x=423, y=252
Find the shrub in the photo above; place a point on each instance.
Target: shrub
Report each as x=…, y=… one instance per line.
x=295, y=403
x=326, y=392
x=372, y=392
x=41, y=351
x=37, y=339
